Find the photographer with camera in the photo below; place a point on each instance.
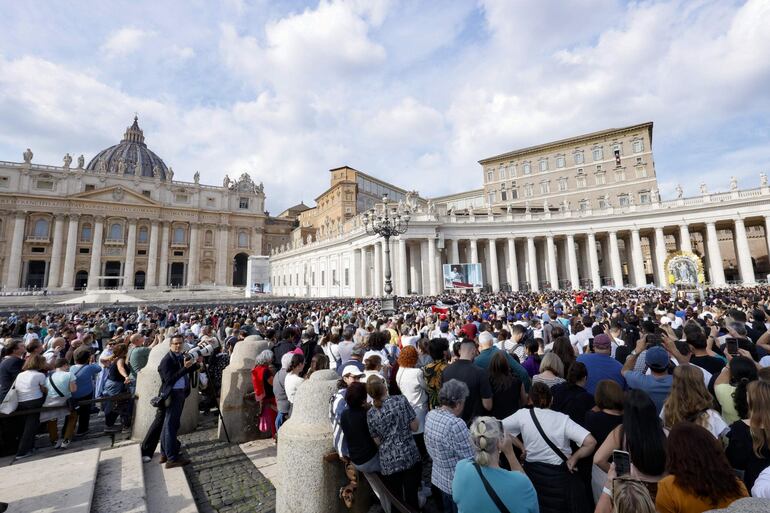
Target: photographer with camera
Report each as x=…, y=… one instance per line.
x=176, y=373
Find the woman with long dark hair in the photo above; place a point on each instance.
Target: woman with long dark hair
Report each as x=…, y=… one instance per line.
x=641, y=435
x=571, y=397
x=730, y=388
x=117, y=379
x=507, y=392
x=700, y=477
x=563, y=349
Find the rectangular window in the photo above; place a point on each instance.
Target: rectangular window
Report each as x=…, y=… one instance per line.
x=491, y=197
x=544, y=165
x=581, y=181
x=46, y=185
x=147, y=194
x=178, y=253
x=38, y=250
x=4, y=180
x=623, y=200
x=527, y=168
x=90, y=187
x=583, y=205
x=603, y=203
x=84, y=251
x=181, y=198
x=514, y=194
x=638, y=146
x=528, y=190
x=598, y=154
x=243, y=203
x=641, y=172
x=490, y=176
x=545, y=187
x=600, y=179
x=323, y=277
x=578, y=157
x=620, y=175
x=503, y=195
x=562, y=184
x=334, y=276
x=347, y=277
x=312, y=278
x=502, y=172
x=644, y=198
x=142, y=252
x=560, y=162
x=512, y=170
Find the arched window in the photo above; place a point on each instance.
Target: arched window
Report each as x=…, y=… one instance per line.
x=208, y=238
x=41, y=228
x=143, y=235
x=243, y=239
x=116, y=231
x=85, y=233
x=178, y=235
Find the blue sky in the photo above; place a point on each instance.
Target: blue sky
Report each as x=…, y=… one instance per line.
x=413, y=92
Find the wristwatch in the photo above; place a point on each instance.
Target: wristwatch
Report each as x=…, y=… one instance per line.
x=607, y=491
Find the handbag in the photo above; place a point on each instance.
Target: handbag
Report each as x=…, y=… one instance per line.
x=491, y=491
x=10, y=401
x=67, y=400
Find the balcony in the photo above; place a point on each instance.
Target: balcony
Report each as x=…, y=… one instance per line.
x=113, y=242
x=37, y=239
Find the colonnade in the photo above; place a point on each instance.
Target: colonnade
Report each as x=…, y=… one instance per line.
x=560, y=259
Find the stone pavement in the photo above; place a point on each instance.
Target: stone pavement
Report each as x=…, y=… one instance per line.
x=222, y=478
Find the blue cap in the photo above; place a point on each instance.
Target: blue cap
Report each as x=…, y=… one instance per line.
x=657, y=358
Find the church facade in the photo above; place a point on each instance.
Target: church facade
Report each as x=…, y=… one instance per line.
x=122, y=221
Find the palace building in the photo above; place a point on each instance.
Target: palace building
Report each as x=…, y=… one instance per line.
x=122, y=221
x=582, y=212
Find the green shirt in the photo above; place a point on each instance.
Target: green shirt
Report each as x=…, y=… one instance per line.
x=137, y=360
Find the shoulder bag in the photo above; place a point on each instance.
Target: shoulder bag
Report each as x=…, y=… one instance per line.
x=491, y=491
x=10, y=401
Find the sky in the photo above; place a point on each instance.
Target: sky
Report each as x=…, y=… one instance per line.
x=414, y=93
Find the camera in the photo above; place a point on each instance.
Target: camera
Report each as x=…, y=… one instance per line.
x=203, y=349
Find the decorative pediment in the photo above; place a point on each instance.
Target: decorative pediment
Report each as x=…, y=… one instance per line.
x=116, y=194
x=244, y=184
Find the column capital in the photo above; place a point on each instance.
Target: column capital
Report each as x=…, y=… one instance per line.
x=132, y=221
x=99, y=218
x=60, y=216
x=154, y=222
x=20, y=214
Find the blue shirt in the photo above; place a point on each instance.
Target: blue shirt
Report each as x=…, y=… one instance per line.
x=181, y=382
x=514, y=489
x=85, y=378
x=656, y=388
x=601, y=366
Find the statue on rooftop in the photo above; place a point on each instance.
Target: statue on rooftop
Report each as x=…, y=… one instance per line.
x=170, y=174
x=226, y=182
x=67, y=161
x=28, y=156
x=679, y=191
x=733, y=183
x=763, y=179
x=122, y=166
x=703, y=189
x=81, y=162
x=197, y=177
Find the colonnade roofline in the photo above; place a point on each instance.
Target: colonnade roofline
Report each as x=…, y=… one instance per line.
x=718, y=208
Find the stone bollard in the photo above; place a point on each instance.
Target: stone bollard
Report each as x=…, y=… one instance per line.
x=306, y=483
x=239, y=414
x=147, y=386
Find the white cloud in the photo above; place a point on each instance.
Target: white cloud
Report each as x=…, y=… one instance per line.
x=124, y=42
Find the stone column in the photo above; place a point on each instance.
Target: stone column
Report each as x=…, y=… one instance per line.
x=95, y=270
x=553, y=274
x=152, y=256
x=377, y=269
x=432, y=272
x=494, y=272
x=192, y=265
x=660, y=258
x=68, y=274
x=163, y=270
x=54, y=269
x=147, y=385
x=743, y=253
x=574, y=275
x=473, y=243
x=684, y=238
x=454, y=247
x=638, y=259
x=222, y=255
x=403, y=287
x=593, y=261
x=303, y=442
x=513, y=264
x=13, y=275
x=534, y=286
x=414, y=275
x=128, y=269
x=715, y=255
x=616, y=269
x=238, y=411
x=364, y=272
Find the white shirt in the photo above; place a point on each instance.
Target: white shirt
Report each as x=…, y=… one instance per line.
x=761, y=486
x=412, y=384
x=291, y=385
x=557, y=426
x=765, y=361
x=715, y=424
x=28, y=385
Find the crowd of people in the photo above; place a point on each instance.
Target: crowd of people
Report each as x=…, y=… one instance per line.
x=614, y=400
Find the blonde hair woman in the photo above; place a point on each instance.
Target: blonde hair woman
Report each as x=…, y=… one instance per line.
x=551, y=370
x=749, y=447
x=689, y=401
x=479, y=484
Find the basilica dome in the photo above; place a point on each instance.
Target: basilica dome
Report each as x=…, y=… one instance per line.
x=130, y=157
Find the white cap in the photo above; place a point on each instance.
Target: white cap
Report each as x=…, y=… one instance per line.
x=351, y=370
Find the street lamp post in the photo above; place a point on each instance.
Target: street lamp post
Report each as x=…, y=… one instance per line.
x=386, y=224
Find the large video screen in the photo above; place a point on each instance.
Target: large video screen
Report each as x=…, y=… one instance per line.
x=462, y=276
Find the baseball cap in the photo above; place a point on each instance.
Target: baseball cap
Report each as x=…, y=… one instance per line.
x=443, y=326
x=602, y=341
x=351, y=370
x=469, y=330
x=657, y=358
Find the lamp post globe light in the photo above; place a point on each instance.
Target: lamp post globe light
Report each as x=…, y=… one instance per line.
x=387, y=223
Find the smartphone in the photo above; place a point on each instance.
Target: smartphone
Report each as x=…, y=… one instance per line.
x=622, y=461
x=731, y=346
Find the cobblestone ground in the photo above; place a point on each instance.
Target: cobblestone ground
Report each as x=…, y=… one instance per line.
x=221, y=477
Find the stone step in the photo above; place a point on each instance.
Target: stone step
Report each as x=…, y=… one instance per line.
x=167, y=489
x=120, y=484
x=58, y=483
